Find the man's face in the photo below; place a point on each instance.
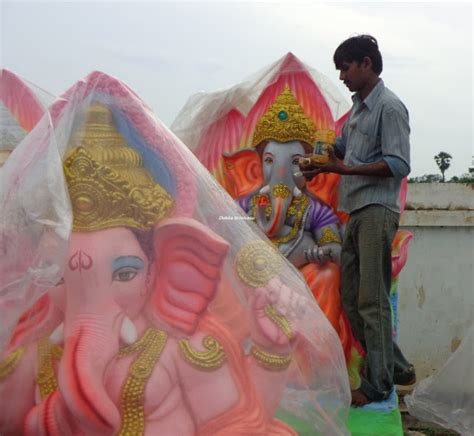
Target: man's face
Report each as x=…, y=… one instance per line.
x=354, y=75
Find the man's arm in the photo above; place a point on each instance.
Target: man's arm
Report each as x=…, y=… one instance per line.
x=336, y=165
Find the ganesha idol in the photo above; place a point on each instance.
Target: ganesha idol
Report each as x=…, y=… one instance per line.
x=251, y=137
x=133, y=339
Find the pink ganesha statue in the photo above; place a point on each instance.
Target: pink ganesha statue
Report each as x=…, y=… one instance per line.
x=158, y=320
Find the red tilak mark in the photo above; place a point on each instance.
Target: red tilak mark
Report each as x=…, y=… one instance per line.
x=80, y=260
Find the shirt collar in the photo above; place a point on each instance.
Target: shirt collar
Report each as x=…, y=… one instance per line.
x=371, y=99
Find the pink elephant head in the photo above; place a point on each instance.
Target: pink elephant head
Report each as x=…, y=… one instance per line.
x=134, y=249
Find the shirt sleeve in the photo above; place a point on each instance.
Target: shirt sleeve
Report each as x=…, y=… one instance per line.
x=397, y=166
x=395, y=138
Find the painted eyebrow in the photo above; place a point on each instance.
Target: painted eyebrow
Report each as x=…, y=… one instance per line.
x=133, y=261
x=267, y=153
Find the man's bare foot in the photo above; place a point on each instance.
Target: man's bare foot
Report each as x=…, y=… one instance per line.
x=359, y=399
x=406, y=378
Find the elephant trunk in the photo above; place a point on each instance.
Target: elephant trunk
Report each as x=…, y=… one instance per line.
x=281, y=198
x=90, y=346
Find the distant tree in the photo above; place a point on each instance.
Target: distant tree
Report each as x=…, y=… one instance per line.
x=426, y=178
x=443, y=160
x=463, y=178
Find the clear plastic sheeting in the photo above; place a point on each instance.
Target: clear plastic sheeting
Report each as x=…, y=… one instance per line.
x=137, y=297
x=22, y=105
x=447, y=397
x=205, y=108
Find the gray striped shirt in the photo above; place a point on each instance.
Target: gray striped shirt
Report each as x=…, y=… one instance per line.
x=376, y=128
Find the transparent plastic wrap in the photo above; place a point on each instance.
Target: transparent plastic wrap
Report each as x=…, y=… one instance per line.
x=22, y=105
x=139, y=299
x=447, y=397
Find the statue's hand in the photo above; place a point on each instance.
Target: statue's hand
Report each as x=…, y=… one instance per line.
x=277, y=308
x=319, y=255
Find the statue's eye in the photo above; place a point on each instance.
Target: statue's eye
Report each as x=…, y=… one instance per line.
x=296, y=160
x=268, y=160
x=124, y=274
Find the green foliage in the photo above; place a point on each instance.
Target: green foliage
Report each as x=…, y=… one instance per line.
x=443, y=160
x=436, y=178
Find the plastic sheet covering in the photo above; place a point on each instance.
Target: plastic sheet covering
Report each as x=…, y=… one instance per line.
x=447, y=397
x=22, y=105
x=137, y=297
x=204, y=108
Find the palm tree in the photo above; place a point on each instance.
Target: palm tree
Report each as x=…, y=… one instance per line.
x=443, y=160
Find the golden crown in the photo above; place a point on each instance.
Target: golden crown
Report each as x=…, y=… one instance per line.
x=286, y=121
x=108, y=184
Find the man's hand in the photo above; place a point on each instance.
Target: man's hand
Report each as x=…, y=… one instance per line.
x=310, y=167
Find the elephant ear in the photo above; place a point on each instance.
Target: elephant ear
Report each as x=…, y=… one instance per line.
x=244, y=172
x=189, y=259
x=221, y=137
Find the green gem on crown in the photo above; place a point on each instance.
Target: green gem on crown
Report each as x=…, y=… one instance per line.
x=282, y=115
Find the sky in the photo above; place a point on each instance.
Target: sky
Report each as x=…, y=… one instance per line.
x=167, y=51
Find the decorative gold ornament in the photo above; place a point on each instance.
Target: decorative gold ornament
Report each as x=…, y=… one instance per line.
x=273, y=362
x=285, y=121
x=281, y=190
x=108, y=184
x=150, y=346
x=209, y=360
x=293, y=233
x=257, y=263
x=279, y=320
x=8, y=365
x=328, y=237
x=46, y=378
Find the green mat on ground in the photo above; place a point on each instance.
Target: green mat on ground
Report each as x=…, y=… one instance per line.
x=362, y=422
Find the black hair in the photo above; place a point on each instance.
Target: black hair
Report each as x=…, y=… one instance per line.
x=356, y=48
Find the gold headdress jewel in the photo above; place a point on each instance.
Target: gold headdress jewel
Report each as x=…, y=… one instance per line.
x=108, y=184
x=286, y=121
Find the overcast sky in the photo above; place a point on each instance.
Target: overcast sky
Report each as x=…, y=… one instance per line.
x=168, y=51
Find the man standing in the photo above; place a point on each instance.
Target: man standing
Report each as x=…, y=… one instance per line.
x=372, y=155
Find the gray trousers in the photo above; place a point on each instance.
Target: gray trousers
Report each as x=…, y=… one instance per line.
x=366, y=267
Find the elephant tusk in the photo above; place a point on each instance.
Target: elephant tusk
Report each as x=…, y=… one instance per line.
x=265, y=190
x=57, y=337
x=297, y=192
x=128, y=331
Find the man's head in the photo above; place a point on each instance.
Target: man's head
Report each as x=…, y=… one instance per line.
x=359, y=61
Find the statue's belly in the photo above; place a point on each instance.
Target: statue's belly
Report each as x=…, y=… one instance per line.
x=296, y=253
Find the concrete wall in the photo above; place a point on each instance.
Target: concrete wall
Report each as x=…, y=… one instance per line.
x=436, y=287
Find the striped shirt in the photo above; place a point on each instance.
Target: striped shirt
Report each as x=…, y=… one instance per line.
x=376, y=129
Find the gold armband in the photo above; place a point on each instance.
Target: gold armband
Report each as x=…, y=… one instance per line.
x=209, y=360
x=273, y=362
x=328, y=237
x=279, y=320
x=8, y=365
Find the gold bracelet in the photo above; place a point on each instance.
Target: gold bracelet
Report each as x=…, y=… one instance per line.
x=273, y=362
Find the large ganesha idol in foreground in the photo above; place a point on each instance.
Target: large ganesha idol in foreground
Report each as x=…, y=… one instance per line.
x=251, y=137
x=160, y=318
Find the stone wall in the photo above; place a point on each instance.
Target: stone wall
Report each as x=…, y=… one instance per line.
x=436, y=287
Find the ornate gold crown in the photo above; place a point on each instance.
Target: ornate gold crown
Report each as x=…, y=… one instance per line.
x=286, y=121
x=108, y=185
